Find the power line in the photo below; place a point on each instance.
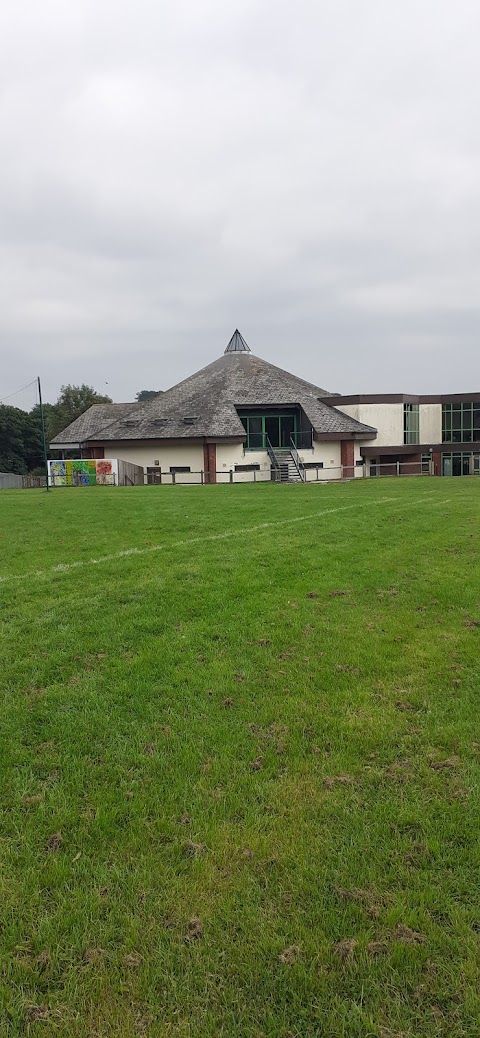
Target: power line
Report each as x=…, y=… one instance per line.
x=17, y=391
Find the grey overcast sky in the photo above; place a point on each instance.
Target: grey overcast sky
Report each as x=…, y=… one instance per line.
x=308, y=172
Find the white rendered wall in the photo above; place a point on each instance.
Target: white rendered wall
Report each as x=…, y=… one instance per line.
x=430, y=423
x=147, y=455
x=327, y=451
x=387, y=418
x=231, y=454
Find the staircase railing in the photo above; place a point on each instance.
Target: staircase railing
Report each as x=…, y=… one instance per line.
x=296, y=460
x=275, y=462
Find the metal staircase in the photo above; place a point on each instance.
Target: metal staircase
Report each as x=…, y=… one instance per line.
x=286, y=464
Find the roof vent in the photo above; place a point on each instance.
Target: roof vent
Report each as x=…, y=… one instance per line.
x=237, y=344
x=130, y=421
x=160, y=421
x=190, y=419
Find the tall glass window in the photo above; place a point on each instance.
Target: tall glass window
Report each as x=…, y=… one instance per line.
x=411, y=423
x=460, y=422
x=276, y=429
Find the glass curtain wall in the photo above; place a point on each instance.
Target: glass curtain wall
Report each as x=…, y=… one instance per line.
x=278, y=429
x=461, y=422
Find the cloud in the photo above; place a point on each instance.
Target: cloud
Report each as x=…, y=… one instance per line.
x=168, y=172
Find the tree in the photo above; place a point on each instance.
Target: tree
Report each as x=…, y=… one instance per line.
x=72, y=402
x=146, y=394
x=20, y=441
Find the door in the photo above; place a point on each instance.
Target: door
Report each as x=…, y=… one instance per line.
x=456, y=464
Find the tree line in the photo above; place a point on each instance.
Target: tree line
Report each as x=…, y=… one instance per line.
x=21, y=444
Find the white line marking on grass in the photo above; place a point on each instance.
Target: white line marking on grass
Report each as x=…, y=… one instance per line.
x=65, y=567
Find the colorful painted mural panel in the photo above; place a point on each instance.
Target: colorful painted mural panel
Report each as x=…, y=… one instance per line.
x=80, y=472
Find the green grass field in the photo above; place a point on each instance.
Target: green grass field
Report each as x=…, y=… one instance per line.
x=240, y=771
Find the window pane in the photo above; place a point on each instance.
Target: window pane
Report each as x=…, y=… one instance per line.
x=255, y=441
x=255, y=426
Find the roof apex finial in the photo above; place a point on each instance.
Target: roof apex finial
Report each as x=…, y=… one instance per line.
x=237, y=344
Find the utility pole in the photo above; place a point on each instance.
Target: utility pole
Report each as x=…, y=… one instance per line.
x=43, y=431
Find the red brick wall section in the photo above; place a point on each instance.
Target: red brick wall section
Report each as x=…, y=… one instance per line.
x=348, y=459
x=437, y=463
x=210, y=462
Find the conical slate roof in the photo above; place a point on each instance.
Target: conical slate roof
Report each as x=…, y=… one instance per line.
x=204, y=405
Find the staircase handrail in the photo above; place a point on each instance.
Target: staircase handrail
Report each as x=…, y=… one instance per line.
x=296, y=460
x=273, y=459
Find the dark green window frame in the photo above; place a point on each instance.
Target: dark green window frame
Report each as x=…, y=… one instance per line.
x=461, y=422
x=257, y=438
x=411, y=423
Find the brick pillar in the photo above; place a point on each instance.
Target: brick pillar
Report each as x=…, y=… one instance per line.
x=210, y=462
x=348, y=458
x=437, y=463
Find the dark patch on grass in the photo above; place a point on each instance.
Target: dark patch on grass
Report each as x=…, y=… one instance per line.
x=193, y=849
x=133, y=960
x=32, y=801
x=54, y=842
x=289, y=955
x=35, y=1013
x=346, y=948
x=195, y=929
x=445, y=765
